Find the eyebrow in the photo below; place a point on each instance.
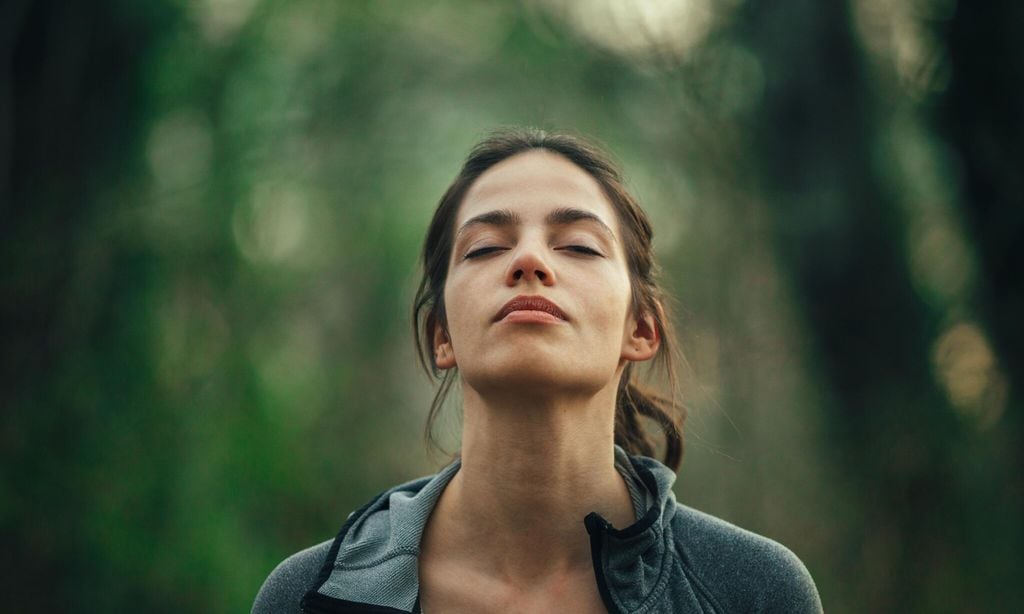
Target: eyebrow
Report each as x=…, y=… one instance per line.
x=559, y=217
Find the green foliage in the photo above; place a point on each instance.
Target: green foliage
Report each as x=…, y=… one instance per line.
x=211, y=217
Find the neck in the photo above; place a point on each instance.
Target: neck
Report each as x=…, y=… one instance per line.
x=532, y=469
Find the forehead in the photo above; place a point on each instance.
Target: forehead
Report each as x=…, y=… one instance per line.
x=533, y=183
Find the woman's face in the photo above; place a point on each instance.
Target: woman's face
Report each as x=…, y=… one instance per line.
x=538, y=289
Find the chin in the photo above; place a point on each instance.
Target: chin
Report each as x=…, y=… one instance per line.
x=536, y=372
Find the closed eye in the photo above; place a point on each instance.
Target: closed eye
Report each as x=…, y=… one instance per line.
x=483, y=251
x=582, y=249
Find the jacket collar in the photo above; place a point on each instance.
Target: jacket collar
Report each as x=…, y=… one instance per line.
x=372, y=565
x=631, y=564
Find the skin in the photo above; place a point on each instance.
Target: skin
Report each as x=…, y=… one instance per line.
x=538, y=397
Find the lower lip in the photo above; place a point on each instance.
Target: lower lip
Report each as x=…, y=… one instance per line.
x=532, y=317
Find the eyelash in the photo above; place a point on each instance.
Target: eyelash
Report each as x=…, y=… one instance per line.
x=579, y=249
x=583, y=249
x=483, y=251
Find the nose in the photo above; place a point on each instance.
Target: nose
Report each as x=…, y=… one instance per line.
x=529, y=264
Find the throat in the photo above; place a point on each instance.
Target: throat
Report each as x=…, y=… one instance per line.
x=521, y=526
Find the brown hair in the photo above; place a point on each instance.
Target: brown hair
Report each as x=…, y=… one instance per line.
x=633, y=399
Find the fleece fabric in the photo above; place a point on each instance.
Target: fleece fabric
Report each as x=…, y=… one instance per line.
x=673, y=559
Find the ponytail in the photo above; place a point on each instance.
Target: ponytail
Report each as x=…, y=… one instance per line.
x=636, y=402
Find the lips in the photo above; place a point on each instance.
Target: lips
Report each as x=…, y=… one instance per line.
x=530, y=303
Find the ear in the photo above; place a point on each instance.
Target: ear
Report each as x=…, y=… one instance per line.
x=641, y=341
x=444, y=355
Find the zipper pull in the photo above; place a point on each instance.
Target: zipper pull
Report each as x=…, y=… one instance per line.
x=596, y=524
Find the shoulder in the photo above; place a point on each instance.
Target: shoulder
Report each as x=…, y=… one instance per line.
x=370, y=528
x=283, y=589
x=739, y=569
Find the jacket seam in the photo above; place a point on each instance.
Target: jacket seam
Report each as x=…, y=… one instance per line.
x=662, y=580
x=689, y=572
x=327, y=569
x=332, y=553
x=319, y=603
x=390, y=554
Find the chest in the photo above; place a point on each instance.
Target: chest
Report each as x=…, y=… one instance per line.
x=447, y=589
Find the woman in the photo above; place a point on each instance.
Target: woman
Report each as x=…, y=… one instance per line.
x=538, y=297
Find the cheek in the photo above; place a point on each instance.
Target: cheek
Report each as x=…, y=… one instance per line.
x=610, y=307
x=456, y=308
x=451, y=309
x=612, y=296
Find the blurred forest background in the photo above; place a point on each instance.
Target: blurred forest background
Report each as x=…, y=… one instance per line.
x=210, y=215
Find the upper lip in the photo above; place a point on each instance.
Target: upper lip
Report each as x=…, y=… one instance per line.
x=530, y=303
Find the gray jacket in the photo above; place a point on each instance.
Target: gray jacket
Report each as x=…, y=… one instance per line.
x=672, y=559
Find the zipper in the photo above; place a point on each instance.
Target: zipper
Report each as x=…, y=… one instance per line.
x=597, y=527
x=315, y=603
